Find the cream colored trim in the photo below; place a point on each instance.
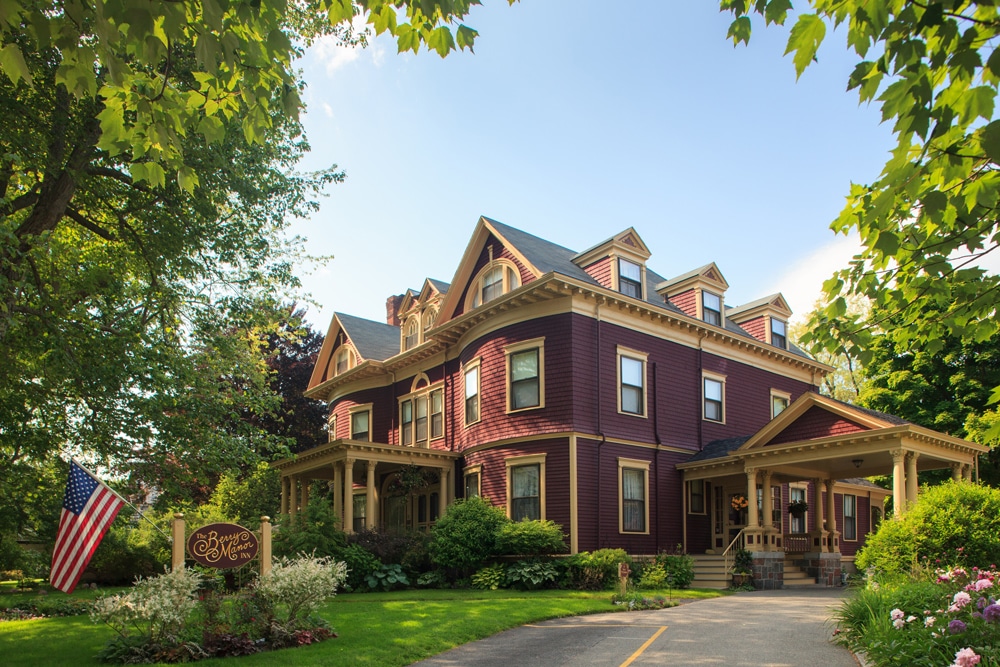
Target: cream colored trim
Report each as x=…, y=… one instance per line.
x=473, y=470
x=716, y=377
x=331, y=427
x=615, y=243
x=416, y=381
x=616, y=273
x=414, y=321
x=423, y=392
x=641, y=357
x=559, y=435
x=843, y=512
x=805, y=517
x=574, y=499
x=513, y=348
x=530, y=459
x=363, y=407
x=633, y=464
x=475, y=285
x=477, y=364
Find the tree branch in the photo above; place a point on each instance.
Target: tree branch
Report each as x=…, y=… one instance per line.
x=88, y=225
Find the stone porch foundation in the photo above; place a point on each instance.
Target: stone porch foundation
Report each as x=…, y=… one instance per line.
x=768, y=570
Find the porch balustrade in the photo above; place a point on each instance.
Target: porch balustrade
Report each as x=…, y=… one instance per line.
x=796, y=543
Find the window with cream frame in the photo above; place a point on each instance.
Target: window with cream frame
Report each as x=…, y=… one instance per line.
x=525, y=375
x=779, y=402
x=473, y=481
x=361, y=422
x=711, y=308
x=331, y=427
x=696, y=497
x=779, y=333
x=494, y=280
x=713, y=397
x=850, y=517
x=526, y=487
x=631, y=381
x=471, y=383
x=630, y=277
x=344, y=360
x=421, y=413
x=411, y=337
x=633, y=496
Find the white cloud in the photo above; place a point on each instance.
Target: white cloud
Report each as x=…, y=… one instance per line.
x=334, y=55
x=802, y=283
x=328, y=110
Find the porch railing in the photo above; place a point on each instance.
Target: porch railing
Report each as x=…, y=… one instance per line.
x=729, y=555
x=796, y=543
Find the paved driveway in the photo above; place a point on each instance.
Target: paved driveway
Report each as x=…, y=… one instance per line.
x=760, y=629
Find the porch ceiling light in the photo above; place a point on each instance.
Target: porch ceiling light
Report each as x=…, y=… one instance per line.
x=857, y=462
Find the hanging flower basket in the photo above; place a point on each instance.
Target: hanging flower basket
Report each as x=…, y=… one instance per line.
x=798, y=507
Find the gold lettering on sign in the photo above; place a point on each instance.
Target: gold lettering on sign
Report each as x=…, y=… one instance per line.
x=222, y=545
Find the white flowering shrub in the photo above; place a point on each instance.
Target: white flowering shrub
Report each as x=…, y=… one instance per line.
x=296, y=587
x=154, y=608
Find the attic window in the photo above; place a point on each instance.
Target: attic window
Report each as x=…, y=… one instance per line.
x=412, y=333
x=495, y=280
x=711, y=308
x=778, y=335
x=629, y=278
x=344, y=360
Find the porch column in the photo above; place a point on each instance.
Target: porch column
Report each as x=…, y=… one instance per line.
x=753, y=530
x=348, y=495
x=768, y=507
x=967, y=472
x=293, y=504
x=898, y=480
x=284, y=494
x=338, y=494
x=443, y=493
x=819, y=530
x=956, y=472
x=370, y=496
x=911, y=477
x=833, y=539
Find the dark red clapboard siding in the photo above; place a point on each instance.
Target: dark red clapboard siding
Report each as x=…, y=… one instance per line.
x=817, y=423
x=600, y=271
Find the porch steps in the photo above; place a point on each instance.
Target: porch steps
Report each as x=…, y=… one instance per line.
x=710, y=571
x=795, y=576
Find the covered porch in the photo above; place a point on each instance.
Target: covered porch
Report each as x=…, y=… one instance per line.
x=374, y=485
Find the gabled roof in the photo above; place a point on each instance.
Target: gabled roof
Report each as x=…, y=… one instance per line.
x=718, y=448
x=544, y=256
x=373, y=341
x=775, y=303
x=441, y=286
x=709, y=273
x=627, y=242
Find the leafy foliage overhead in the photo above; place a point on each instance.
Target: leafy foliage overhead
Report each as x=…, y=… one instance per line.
x=930, y=217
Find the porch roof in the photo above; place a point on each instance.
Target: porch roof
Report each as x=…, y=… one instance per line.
x=317, y=463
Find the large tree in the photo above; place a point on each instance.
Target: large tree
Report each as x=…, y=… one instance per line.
x=930, y=217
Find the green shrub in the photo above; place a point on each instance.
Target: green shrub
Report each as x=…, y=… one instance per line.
x=360, y=564
x=947, y=521
x=244, y=500
x=678, y=567
x=530, y=575
x=594, y=570
x=408, y=549
x=467, y=535
x=315, y=531
x=489, y=578
x=122, y=557
x=532, y=538
x=653, y=576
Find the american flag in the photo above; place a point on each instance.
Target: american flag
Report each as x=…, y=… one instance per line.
x=88, y=509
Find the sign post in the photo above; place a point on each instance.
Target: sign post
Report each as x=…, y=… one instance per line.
x=177, y=543
x=265, y=545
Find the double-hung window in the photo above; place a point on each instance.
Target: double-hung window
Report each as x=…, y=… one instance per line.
x=472, y=394
x=778, y=403
x=631, y=382
x=437, y=413
x=629, y=278
x=850, y=517
x=526, y=493
x=406, y=423
x=472, y=481
x=525, y=374
x=714, y=399
x=778, y=333
x=361, y=423
x=711, y=308
x=421, y=417
x=412, y=333
x=633, y=485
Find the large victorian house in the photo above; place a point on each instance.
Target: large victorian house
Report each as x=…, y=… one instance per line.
x=635, y=410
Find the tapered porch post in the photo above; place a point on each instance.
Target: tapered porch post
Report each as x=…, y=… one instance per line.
x=348, y=495
x=768, y=507
x=911, y=477
x=956, y=472
x=370, y=496
x=293, y=501
x=338, y=494
x=284, y=493
x=753, y=519
x=443, y=493
x=967, y=472
x=898, y=481
x=305, y=494
x=833, y=540
x=819, y=530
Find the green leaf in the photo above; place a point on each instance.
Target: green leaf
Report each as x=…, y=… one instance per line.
x=441, y=40
x=989, y=138
x=777, y=11
x=804, y=40
x=12, y=64
x=187, y=179
x=739, y=30
x=465, y=36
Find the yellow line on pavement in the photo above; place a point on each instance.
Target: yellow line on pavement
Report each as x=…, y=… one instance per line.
x=642, y=648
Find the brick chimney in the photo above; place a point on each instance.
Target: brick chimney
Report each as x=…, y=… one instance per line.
x=392, y=309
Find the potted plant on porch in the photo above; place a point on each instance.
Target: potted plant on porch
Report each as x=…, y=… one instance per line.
x=742, y=567
x=798, y=507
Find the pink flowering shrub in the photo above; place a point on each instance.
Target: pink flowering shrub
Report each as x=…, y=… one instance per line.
x=951, y=619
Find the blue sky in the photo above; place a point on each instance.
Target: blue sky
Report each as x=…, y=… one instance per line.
x=573, y=121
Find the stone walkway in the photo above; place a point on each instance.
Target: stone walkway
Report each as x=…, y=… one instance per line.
x=786, y=628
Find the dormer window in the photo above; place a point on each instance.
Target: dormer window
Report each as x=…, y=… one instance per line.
x=494, y=281
x=711, y=308
x=429, y=317
x=629, y=278
x=412, y=334
x=778, y=335
x=345, y=360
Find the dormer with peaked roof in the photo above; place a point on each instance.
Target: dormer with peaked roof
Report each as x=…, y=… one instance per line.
x=618, y=263
x=700, y=293
x=350, y=343
x=765, y=319
x=418, y=311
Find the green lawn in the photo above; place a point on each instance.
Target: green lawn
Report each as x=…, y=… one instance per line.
x=384, y=629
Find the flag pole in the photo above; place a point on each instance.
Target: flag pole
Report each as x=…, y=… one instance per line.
x=120, y=497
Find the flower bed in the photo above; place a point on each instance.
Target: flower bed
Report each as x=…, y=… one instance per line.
x=952, y=620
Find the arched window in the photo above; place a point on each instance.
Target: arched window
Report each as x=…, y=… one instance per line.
x=495, y=280
x=429, y=316
x=344, y=360
x=412, y=338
